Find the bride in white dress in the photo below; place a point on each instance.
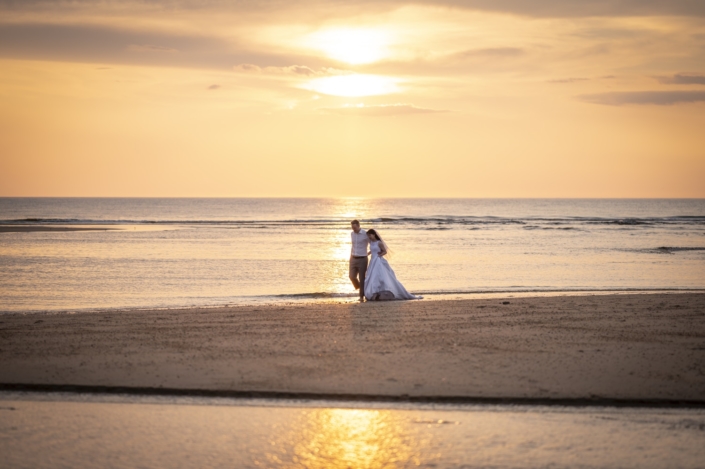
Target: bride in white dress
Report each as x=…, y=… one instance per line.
x=380, y=281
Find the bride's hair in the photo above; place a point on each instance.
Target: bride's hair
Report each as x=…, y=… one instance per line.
x=381, y=242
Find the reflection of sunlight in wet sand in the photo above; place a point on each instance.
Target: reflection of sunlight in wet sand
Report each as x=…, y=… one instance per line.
x=348, y=438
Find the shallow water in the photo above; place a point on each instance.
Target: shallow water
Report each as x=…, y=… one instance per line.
x=81, y=431
x=201, y=252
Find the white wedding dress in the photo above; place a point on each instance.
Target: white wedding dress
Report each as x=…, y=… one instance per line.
x=380, y=277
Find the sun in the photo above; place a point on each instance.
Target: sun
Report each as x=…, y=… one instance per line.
x=351, y=45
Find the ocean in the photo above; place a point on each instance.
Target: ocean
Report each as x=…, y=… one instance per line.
x=173, y=253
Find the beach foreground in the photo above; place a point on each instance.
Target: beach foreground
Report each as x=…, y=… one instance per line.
x=88, y=431
x=637, y=347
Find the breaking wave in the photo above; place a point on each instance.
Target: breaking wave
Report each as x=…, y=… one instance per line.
x=434, y=222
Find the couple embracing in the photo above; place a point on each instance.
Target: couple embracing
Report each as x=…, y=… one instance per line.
x=376, y=281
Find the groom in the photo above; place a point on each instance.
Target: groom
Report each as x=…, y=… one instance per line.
x=358, y=257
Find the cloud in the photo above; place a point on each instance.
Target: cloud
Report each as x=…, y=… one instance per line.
x=300, y=70
x=568, y=80
x=493, y=52
x=103, y=44
x=659, y=98
x=331, y=8
x=110, y=45
x=580, y=8
x=248, y=68
x=543, y=8
x=214, y=87
x=380, y=110
x=683, y=79
x=211, y=34
x=290, y=70
x=150, y=48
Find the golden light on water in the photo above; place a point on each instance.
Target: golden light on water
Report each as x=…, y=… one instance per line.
x=338, y=243
x=350, y=438
x=354, y=85
x=351, y=45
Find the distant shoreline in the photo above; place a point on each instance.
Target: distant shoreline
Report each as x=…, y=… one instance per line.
x=31, y=228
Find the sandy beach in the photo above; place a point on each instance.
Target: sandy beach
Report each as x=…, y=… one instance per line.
x=636, y=347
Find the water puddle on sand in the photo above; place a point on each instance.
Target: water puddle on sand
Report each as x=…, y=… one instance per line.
x=81, y=431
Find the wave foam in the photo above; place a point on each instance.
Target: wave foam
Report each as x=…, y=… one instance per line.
x=431, y=222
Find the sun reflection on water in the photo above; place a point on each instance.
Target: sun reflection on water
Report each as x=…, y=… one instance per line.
x=338, y=242
x=347, y=438
x=339, y=246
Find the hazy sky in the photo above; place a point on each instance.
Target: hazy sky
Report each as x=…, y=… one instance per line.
x=475, y=98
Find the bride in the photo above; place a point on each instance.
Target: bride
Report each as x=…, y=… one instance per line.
x=381, y=283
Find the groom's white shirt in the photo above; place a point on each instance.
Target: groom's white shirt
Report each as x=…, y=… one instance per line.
x=359, y=243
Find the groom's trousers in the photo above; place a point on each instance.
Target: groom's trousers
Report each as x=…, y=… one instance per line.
x=358, y=269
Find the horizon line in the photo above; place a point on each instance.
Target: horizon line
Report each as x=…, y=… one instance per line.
x=336, y=197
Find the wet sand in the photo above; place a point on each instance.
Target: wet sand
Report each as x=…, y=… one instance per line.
x=622, y=347
x=213, y=433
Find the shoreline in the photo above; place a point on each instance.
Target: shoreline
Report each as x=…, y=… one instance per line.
x=590, y=348
x=43, y=228
x=303, y=299
x=302, y=398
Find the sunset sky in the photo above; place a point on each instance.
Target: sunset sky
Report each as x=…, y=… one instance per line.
x=475, y=98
